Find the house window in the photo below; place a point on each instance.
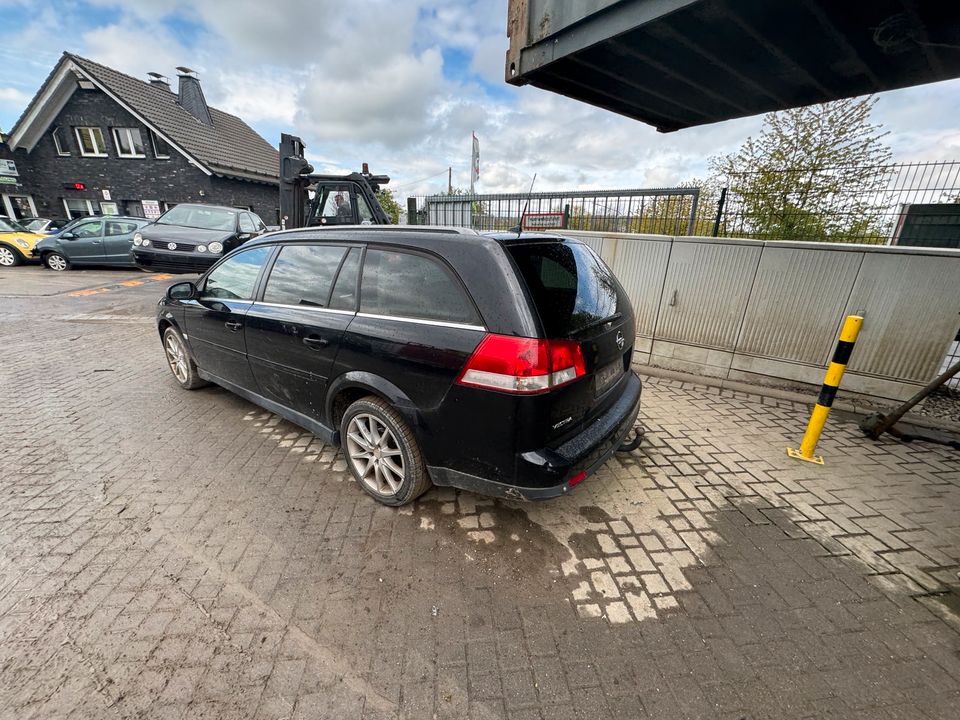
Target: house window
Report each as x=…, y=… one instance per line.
x=91, y=142
x=161, y=151
x=76, y=207
x=129, y=142
x=60, y=141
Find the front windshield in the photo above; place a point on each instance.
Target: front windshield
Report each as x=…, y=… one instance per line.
x=35, y=224
x=8, y=225
x=205, y=218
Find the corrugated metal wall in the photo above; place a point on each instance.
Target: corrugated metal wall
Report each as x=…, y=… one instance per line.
x=771, y=311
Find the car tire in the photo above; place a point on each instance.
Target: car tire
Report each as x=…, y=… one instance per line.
x=373, y=461
x=10, y=256
x=182, y=366
x=56, y=261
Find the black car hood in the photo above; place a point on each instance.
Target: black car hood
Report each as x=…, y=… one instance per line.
x=180, y=233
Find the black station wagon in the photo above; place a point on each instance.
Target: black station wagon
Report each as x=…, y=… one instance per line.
x=498, y=364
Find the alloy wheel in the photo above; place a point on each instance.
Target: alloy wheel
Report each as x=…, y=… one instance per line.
x=375, y=454
x=56, y=262
x=6, y=257
x=176, y=357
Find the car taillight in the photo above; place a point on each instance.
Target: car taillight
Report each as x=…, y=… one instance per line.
x=523, y=365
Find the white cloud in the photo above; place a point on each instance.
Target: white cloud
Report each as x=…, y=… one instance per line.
x=388, y=104
x=14, y=97
x=154, y=51
x=255, y=97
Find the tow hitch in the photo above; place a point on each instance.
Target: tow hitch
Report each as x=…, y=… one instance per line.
x=633, y=443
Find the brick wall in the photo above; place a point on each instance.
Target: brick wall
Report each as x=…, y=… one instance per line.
x=129, y=180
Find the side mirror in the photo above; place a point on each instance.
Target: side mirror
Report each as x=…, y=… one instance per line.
x=67, y=236
x=182, y=291
x=244, y=236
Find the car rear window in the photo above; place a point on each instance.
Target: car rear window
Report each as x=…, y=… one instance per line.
x=401, y=284
x=571, y=287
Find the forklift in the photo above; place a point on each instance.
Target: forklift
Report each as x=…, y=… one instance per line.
x=309, y=199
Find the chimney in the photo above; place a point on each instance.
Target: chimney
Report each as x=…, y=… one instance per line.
x=191, y=96
x=158, y=80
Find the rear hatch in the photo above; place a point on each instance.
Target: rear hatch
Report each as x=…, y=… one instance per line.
x=578, y=298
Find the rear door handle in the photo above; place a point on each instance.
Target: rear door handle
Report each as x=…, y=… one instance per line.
x=233, y=325
x=315, y=342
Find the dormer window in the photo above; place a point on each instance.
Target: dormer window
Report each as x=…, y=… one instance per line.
x=129, y=142
x=60, y=142
x=90, y=140
x=161, y=151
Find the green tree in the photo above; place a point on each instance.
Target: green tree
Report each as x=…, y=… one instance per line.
x=389, y=204
x=813, y=173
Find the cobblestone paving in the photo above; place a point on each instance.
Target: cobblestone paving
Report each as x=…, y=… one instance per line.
x=172, y=554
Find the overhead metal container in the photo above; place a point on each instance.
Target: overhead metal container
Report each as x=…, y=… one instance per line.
x=678, y=63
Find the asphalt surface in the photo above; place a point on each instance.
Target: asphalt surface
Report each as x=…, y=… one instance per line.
x=166, y=553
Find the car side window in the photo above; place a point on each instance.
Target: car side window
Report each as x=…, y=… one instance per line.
x=401, y=284
x=235, y=277
x=261, y=227
x=246, y=223
x=344, y=296
x=303, y=275
x=88, y=230
x=116, y=227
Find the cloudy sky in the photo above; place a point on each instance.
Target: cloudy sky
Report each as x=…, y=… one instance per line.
x=400, y=84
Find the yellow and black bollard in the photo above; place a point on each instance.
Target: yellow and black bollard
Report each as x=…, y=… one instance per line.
x=831, y=382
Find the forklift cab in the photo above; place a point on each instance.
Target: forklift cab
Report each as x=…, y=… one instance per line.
x=312, y=199
x=340, y=204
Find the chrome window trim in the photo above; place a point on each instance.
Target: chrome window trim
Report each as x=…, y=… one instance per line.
x=422, y=321
x=305, y=307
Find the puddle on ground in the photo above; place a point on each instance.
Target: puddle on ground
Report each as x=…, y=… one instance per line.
x=623, y=570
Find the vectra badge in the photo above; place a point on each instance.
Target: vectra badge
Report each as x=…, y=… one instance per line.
x=620, y=340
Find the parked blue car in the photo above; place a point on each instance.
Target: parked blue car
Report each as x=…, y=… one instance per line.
x=92, y=241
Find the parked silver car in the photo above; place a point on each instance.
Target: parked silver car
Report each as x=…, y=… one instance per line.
x=94, y=241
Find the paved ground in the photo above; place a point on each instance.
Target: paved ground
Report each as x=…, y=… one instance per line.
x=170, y=554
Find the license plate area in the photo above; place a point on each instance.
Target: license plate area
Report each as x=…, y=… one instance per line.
x=607, y=376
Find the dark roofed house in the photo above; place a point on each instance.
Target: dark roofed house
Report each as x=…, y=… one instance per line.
x=96, y=141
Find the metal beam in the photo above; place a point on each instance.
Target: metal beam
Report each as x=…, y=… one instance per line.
x=677, y=37
x=841, y=41
x=679, y=77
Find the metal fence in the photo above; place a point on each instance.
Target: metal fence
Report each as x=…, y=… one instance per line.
x=953, y=356
x=769, y=312
x=665, y=211
x=836, y=204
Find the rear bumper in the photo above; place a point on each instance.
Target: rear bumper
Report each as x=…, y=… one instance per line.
x=548, y=472
x=173, y=261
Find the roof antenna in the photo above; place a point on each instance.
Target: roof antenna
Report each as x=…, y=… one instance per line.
x=527, y=205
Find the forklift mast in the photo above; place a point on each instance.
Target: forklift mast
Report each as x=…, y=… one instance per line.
x=337, y=199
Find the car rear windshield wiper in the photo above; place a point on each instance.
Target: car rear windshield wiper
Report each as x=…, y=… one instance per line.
x=598, y=321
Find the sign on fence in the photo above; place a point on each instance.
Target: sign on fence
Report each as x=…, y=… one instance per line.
x=542, y=221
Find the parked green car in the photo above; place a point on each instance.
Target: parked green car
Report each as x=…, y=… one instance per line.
x=94, y=241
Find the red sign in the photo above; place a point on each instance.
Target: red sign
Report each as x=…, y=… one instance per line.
x=75, y=186
x=542, y=221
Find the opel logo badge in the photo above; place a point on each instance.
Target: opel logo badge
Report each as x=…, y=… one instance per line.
x=620, y=340
x=171, y=246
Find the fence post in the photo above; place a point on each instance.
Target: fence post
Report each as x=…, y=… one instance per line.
x=692, y=222
x=720, y=203
x=411, y=211
x=566, y=217
x=831, y=381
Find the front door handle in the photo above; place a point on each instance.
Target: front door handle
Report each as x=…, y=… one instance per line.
x=232, y=325
x=315, y=342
